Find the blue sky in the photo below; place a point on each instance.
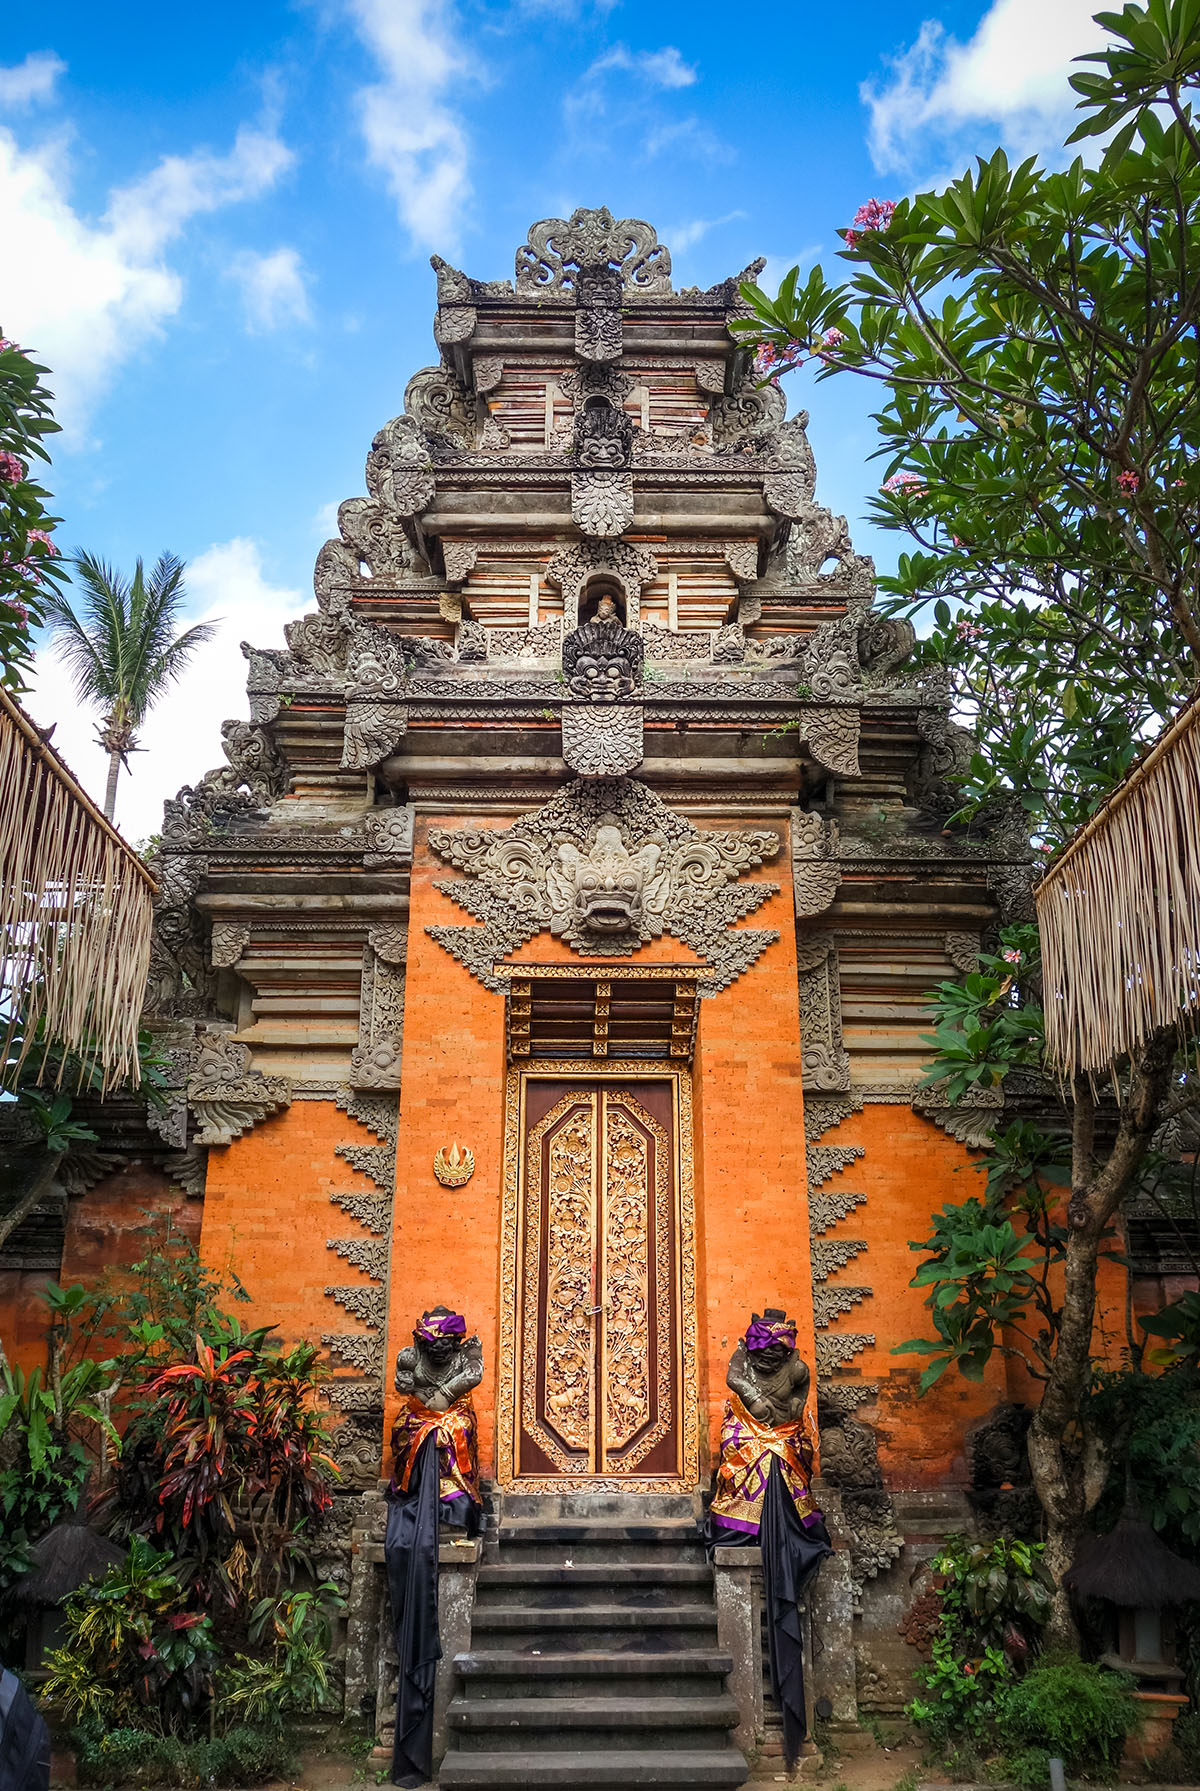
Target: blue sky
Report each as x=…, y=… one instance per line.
x=218, y=220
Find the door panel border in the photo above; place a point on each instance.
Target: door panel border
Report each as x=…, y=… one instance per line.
x=585, y=1071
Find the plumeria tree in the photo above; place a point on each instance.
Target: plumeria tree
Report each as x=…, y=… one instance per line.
x=30, y=566
x=1034, y=339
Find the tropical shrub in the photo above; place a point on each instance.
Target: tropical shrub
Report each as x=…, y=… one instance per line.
x=293, y=1679
x=135, y=1654
x=242, y=1756
x=956, y=1706
x=1069, y=1708
x=29, y=560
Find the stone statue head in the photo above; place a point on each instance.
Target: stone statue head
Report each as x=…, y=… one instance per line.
x=603, y=435
x=603, y=890
x=770, y=1339
x=440, y=1335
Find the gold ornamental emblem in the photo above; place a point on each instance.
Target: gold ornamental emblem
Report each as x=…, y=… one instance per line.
x=453, y=1167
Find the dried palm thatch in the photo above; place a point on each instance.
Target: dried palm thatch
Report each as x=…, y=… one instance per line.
x=75, y=914
x=1132, y=1566
x=1119, y=912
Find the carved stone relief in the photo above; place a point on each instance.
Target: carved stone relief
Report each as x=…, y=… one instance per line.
x=570, y=569
x=602, y=502
x=602, y=740
x=375, y=1060
x=602, y=660
x=816, y=874
x=606, y=866
x=226, y=1096
x=826, y=1062
x=400, y=468
x=389, y=839
x=558, y=248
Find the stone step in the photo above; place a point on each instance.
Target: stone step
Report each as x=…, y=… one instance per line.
x=578, y=1588
x=555, y=1629
x=505, y=1725
x=618, y=1544
x=691, y=1769
x=506, y=1574
x=622, y=1507
x=630, y=1674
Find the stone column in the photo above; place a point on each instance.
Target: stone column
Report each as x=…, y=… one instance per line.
x=739, y=1632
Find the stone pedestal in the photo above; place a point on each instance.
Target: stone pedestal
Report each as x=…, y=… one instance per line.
x=370, y=1655
x=738, y=1577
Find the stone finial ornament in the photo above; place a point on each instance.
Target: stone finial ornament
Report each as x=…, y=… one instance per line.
x=767, y=1371
x=443, y=1364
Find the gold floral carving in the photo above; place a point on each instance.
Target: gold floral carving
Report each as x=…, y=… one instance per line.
x=562, y=1333
x=677, y=1381
x=454, y=1167
x=627, y=1278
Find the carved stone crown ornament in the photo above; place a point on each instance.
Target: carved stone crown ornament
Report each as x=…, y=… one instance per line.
x=606, y=866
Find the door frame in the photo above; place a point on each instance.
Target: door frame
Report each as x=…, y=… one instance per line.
x=584, y=1071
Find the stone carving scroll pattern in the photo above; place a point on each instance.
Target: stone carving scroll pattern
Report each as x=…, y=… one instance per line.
x=552, y=871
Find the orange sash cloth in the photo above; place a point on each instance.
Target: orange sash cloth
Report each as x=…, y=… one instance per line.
x=747, y=1447
x=456, y=1443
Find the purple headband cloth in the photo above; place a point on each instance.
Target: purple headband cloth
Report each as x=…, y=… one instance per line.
x=764, y=1332
x=452, y=1325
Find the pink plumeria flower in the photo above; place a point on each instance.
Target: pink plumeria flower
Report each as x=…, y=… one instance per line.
x=1128, y=482
x=47, y=543
x=903, y=481
x=876, y=214
x=17, y=609
x=12, y=470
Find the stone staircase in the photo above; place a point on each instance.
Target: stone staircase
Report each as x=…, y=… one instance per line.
x=594, y=1659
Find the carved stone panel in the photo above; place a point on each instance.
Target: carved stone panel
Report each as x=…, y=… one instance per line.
x=226, y=1096
x=602, y=502
x=606, y=866
x=602, y=740
x=816, y=874
x=826, y=1062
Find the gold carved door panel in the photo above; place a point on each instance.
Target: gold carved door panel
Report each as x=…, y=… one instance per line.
x=598, y=1298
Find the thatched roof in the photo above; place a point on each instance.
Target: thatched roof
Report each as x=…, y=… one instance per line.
x=1132, y=1566
x=1119, y=912
x=65, y=1558
x=75, y=908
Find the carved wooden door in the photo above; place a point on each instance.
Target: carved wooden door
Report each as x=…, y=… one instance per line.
x=598, y=1307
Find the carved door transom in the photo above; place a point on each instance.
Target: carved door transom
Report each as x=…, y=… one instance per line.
x=598, y=1296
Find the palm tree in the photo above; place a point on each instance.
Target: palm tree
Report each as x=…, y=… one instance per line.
x=121, y=647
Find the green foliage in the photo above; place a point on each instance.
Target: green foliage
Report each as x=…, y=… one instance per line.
x=293, y=1678
x=44, y=1418
x=989, y=1023
x=994, y=1591
x=242, y=1756
x=958, y=1700
x=996, y=1600
x=1069, y=1708
x=1034, y=337
x=134, y=1654
x=1153, y=1424
x=29, y=562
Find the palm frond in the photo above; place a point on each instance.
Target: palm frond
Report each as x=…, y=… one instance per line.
x=171, y=663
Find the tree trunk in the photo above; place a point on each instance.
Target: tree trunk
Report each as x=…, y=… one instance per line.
x=1069, y=1462
x=110, y=793
x=40, y=1185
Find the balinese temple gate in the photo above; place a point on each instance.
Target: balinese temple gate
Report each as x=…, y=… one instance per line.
x=554, y=944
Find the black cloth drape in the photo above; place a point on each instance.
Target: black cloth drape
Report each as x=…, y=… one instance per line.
x=792, y=1551
x=411, y=1555
x=24, y=1739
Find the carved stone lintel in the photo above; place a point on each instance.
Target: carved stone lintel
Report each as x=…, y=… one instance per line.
x=538, y=874
x=602, y=740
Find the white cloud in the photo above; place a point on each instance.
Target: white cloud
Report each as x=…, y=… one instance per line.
x=661, y=68
x=182, y=737
x=84, y=295
x=273, y=288
x=685, y=236
x=1013, y=74
x=32, y=81
x=412, y=136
